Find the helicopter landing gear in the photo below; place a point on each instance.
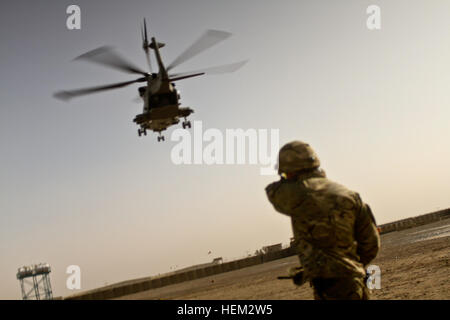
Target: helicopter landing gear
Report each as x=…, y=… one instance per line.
x=142, y=132
x=186, y=124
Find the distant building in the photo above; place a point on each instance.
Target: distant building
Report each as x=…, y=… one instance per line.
x=217, y=260
x=272, y=248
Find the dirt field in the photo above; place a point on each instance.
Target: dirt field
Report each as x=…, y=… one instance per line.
x=414, y=264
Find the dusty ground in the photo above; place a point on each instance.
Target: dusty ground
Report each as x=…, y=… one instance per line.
x=414, y=264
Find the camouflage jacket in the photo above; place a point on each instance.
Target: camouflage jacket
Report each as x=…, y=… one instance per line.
x=334, y=231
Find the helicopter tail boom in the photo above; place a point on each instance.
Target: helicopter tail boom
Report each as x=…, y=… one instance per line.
x=162, y=69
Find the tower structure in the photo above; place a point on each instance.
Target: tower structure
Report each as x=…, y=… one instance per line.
x=35, y=282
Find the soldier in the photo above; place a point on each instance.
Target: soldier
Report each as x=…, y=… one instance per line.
x=335, y=233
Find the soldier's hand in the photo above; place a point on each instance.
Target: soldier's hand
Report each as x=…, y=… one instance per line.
x=272, y=188
x=297, y=275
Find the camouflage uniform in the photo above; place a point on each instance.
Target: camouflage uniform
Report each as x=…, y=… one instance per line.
x=334, y=230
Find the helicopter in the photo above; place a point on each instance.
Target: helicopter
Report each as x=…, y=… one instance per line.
x=162, y=107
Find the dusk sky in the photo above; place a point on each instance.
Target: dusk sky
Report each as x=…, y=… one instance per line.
x=79, y=187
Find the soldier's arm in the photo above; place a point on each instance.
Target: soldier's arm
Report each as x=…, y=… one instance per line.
x=366, y=235
x=283, y=195
x=272, y=191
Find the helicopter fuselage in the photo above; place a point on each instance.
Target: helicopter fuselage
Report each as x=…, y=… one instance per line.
x=161, y=109
x=161, y=101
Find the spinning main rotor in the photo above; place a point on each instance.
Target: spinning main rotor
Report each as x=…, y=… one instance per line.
x=108, y=57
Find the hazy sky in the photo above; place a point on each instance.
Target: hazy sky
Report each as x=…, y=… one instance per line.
x=78, y=187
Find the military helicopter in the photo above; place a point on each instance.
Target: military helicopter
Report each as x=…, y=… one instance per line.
x=161, y=99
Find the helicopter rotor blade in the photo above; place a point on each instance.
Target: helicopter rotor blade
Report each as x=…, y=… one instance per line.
x=185, y=76
x=67, y=95
x=206, y=41
x=145, y=45
x=227, y=68
x=105, y=55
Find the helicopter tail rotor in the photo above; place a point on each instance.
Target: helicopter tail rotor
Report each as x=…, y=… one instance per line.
x=158, y=44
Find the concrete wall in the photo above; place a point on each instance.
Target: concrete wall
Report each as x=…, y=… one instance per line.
x=121, y=290
x=415, y=221
x=109, y=293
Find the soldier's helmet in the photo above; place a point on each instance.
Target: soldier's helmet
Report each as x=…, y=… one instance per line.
x=296, y=156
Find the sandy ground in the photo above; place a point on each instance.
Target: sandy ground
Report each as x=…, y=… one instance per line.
x=414, y=264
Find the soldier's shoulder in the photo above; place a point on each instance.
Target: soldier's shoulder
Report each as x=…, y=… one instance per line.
x=327, y=185
x=334, y=191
